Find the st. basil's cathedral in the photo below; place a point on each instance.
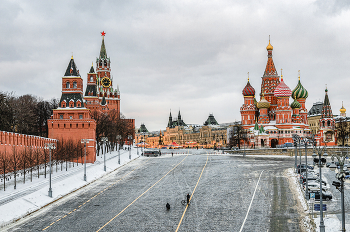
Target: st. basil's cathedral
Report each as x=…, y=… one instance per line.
x=273, y=120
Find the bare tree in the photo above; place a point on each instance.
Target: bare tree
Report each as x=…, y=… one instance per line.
x=6, y=113
x=30, y=159
x=39, y=159
x=4, y=165
x=237, y=135
x=343, y=130
x=16, y=162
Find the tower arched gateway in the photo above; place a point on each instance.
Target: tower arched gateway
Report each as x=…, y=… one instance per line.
x=71, y=120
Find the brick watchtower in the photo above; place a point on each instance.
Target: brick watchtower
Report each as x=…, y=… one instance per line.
x=327, y=123
x=71, y=120
x=270, y=81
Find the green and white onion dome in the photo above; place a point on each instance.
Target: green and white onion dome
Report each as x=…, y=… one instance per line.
x=263, y=103
x=295, y=104
x=299, y=91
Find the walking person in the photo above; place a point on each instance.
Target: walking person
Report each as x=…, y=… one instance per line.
x=188, y=198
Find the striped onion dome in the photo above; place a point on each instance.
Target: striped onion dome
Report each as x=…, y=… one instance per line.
x=295, y=104
x=282, y=90
x=248, y=90
x=263, y=103
x=299, y=91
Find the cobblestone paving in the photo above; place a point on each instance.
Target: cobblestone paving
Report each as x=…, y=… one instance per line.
x=220, y=201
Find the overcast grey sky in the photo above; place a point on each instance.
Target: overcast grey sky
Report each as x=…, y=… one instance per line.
x=187, y=55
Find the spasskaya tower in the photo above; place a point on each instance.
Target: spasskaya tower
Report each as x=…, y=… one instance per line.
x=100, y=84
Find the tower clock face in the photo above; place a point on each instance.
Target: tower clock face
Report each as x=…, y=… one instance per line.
x=106, y=82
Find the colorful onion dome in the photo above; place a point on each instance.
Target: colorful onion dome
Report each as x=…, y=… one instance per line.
x=248, y=90
x=263, y=103
x=282, y=90
x=299, y=91
x=295, y=104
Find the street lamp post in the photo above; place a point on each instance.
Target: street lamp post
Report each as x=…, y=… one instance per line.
x=50, y=146
x=341, y=157
x=130, y=138
x=85, y=141
x=306, y=141
x=244, y=148
x=143, y=141
x=296, y=140
x=320, y=161
x=119, y=137
x=104, y=140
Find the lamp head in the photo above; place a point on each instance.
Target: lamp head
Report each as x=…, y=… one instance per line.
x=314, y=155
x=325, y=154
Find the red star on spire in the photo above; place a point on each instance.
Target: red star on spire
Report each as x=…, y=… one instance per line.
x=103, y=33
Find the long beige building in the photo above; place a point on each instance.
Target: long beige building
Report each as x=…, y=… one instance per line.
x=179, y=134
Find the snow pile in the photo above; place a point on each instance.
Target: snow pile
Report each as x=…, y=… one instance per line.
x=307, y=222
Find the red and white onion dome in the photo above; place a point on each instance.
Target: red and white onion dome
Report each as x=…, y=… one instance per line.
x=248, y=90
x=282, y=90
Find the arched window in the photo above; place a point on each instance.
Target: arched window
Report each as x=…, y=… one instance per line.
x=323, y=124
x=67, y=85
x=91, y=78
x=328, y=123
x=74, y=84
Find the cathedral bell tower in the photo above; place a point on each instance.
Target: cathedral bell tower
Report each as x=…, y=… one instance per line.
x=270, y=80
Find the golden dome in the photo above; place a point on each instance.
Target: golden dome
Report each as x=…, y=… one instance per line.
x=263, y=103
x=342, y=109
x=269, y=47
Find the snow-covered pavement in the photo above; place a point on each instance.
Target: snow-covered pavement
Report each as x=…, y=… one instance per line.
x=31, y=196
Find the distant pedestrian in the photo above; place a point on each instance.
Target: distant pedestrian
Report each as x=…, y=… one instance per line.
x=172, y=154
x=188, y=198
x=167, y=206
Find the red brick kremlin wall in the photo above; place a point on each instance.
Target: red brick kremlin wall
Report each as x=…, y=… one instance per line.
x=9, y=140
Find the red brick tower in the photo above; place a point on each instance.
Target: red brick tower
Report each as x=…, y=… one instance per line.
x=327, y=123
x=270, y=81
x=71, y=120
x=104, y=83
x=248, y=109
